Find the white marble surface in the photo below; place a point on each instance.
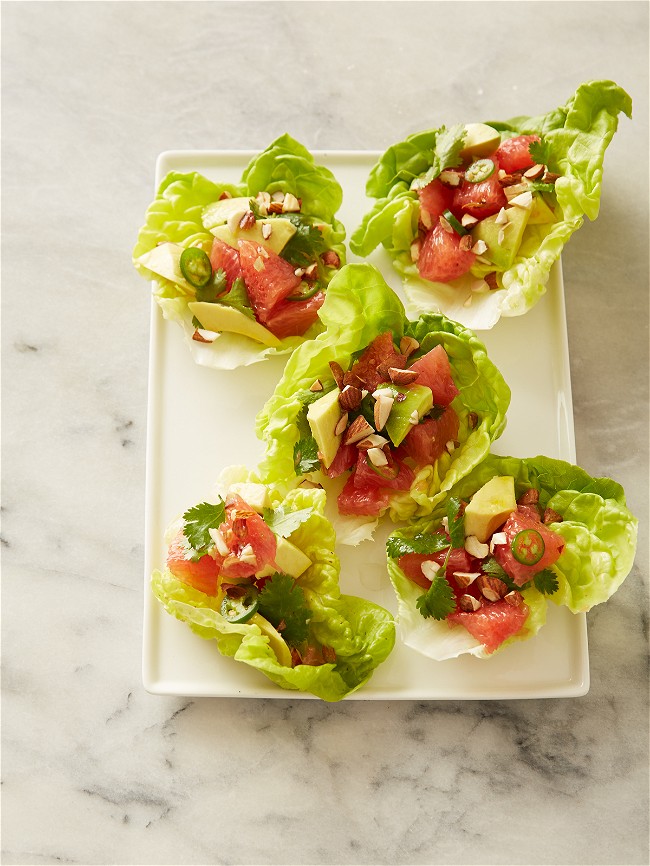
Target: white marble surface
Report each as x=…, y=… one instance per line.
x=95, y=770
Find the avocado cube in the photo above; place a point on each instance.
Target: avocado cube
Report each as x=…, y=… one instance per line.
x=502, y=254
x=281, y=231
x=219, y=317
x=322, y=416
x=490, y=506
x=540, y=212
x=289, y=560
x=219, y=212
x=480, y=140
x=254, y=495
x=418, y=398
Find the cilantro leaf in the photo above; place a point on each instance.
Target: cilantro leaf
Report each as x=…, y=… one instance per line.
x=438, y=601
x=253, y=206
x=305, y=245
x=456, y=522
x=198, y=520
x=217, y=285
x=238, y=298
x=546, y=581
x=283, y=603
x=423, y=542
x=446, y=153
x=305, y=456
x=284, y=523
x=492, y=568
x=540, y=152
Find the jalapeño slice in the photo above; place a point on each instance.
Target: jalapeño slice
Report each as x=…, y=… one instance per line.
x=240, y=608
x=305, y=291
x=454, y=223
x=479, y=170
x=196, y=267
x=528, y=547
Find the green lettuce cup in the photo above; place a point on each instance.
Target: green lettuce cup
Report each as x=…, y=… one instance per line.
x=256, y=572
x=476, y=575
x=244, y=268
x=474, y=216
x=443, y=401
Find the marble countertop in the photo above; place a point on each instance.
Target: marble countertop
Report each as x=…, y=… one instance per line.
x=96, y=770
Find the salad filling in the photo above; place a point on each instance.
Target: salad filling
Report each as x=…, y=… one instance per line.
x=257, y=573
x=475, y=215
x=245, y=267
x=396, y=410
x=510, y=536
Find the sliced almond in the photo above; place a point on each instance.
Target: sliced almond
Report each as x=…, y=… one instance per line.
x=299, y=272
x=408, y=345
x=337, y=372
x=450, y=446
x=501, y=236
x=290, y=204
x=475, y=547
x=247, y=555
x=414, y=418
x=497, y=538
x=491, y=587
x=377, y=457
x=275, y=206
x=479, y=247
x=203, y=336
x=535, y=172
x=425, y=218
x=415, y=251
x=450, y=178
x=331, y=259
x=472, y=420
x=464, y=578
x=263, y=200
x=247, y=221
x=341, y=424
x=383, y=406
x=523, y=200
x=267, y=228
x=372, y=441
x=514, y=598
x=358, y=430
x=550, y=177
x=446, y=225
x=501, y=218
x=429, y=569
x=224, y=195
x=466, y=243
x=258, y=264
x=219, y=542
x=311, y=271
x=468, y=603
x=402, y=377
x=316, y=386
x=515, y=190
x=467, y=220
x=350, y=398
x=234, y=220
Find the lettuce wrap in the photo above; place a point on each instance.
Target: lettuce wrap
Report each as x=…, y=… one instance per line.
x=305, y=635
x=509, y=277
x=597, y=538
x=188, y=211
x=359, y=307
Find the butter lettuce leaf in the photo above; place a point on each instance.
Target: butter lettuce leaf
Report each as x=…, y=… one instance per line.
x=175, y=216
x=599, y=530
x=362, y=634
x=360, y=306
x=575, y=138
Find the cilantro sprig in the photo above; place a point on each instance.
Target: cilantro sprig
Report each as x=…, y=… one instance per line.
x=422, y=542
x=238, y=298
x=305, y=456
x=306, y=244
x=438, y=601
x=198, y=521
x=283, y=603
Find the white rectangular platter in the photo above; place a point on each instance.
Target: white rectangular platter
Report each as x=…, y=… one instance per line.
x=201, y=420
